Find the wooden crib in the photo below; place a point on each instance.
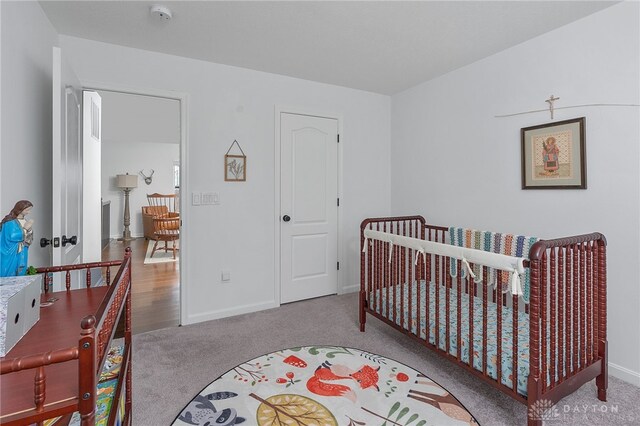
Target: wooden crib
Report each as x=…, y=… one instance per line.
x=56, y=370
x=565, y=317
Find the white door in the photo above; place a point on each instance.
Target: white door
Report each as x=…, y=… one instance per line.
x=308, y=207
x=66, y=165
x=91, y=175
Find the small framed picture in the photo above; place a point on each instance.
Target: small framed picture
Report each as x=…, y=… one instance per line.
x=553, y=155
x=235, y=168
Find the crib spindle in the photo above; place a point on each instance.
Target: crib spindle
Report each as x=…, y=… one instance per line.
x=596, y=302
x=543, y=316
x=67, y=280
x=387, y=272
x=403, y=268
x=393, y=314
x=379, y=270
x=583, y=305
x=418, y=297
x=602, y=380
x=471, y=300
x=514, y=355
x=410, y=282
x=437, y=296
x=447, y=323
x=562, y=301
x=428, y=281
x=589, y=343
x=554, y=310
x=459, y=309
x=88, y=277
x=499, y=330
x=568, y=308
x=575, y=353
x=485, y=284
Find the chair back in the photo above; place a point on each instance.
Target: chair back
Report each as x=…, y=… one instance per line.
x=166, y=202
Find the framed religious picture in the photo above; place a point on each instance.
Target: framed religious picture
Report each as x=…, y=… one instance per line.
x=553, y=155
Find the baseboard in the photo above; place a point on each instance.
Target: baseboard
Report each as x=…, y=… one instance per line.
x=350, y=289
x=115, y=237
x=223, y=313
x=625, y=374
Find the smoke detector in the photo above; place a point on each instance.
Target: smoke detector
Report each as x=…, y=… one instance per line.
x=161, y=13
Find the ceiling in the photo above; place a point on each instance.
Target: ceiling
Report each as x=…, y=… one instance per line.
x=379, y=46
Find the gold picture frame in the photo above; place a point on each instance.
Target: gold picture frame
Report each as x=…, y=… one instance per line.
x=554, y=156
x=235, y=166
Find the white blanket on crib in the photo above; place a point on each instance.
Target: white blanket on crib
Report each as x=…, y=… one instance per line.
x=511, y=264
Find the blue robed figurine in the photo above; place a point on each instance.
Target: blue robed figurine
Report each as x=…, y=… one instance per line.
x=16, y=235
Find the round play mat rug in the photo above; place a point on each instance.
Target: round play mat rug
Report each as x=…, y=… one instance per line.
x=324, y=386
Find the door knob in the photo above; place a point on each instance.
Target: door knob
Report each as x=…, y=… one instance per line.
x=73, y=240
x=286, y=218
x=44, y=242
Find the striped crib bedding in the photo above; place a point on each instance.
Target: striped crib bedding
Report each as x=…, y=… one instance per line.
x=507, y=328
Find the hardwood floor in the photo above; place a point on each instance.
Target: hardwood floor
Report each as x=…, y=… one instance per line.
x=155, y=296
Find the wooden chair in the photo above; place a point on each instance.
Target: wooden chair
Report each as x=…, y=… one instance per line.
x=166, y=229
x=160, y=205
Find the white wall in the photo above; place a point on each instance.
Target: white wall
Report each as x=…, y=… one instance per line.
x=26, y=120
x=227, y=103
x=129, y=157
x=148, y=119
x=453, y=162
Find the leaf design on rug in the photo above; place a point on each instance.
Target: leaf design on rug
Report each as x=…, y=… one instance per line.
x=332, y=351
x=398, y=419
x=292, y=410
x=379, y=359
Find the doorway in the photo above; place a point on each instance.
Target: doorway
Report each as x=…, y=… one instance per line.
x=308, y=215
x=142, y=136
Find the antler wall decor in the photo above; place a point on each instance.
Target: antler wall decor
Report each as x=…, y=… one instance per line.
x=147, y=179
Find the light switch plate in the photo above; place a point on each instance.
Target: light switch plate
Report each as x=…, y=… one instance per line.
x=226, y=276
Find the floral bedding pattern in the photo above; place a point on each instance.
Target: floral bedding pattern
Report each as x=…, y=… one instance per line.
x=492, y=334
x=107, y=386
x=324, y=386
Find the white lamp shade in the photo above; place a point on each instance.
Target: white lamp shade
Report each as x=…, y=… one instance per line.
x=127, y=181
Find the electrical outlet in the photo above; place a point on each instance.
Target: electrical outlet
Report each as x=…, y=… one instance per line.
x=226, y=276
x=196, y=199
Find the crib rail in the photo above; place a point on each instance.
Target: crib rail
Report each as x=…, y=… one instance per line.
x=411, y=226
x=568, y=315
x=49, y=271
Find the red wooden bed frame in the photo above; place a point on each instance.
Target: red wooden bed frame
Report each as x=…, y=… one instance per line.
x=94, y=341
x=560, y=270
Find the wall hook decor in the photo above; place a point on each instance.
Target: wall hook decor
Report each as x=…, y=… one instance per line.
x=235, y=166
x=147, y=179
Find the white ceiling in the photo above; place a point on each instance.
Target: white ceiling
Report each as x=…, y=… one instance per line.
x=379, y=46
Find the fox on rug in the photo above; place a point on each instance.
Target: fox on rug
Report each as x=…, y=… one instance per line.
x=365, y=377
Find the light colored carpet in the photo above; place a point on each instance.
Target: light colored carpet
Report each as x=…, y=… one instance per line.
x=160, y=256
x=174, y=364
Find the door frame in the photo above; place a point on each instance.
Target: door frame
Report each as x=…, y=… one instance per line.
x=278, y=111
x=183, y=98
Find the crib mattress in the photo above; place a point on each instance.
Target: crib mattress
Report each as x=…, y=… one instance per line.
x=492, y=348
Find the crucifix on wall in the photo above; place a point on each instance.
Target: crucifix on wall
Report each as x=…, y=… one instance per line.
x=550, y=101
